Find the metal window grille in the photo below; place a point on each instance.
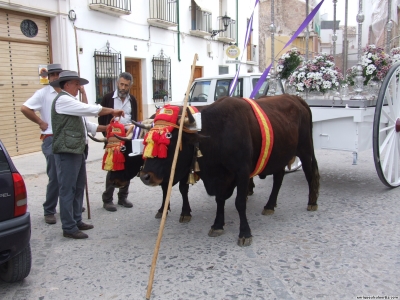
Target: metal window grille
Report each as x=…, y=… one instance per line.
x=161, y=78
x=108, y=66
x=163, y=10
x=120, y=4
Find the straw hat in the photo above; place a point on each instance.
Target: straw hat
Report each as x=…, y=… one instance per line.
x=51, y=68
x=67, y=76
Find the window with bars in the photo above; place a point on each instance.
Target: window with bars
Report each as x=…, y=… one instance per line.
x=161, y=78
x=108, y=66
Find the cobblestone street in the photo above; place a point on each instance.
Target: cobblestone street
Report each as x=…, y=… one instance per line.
x=348, y=248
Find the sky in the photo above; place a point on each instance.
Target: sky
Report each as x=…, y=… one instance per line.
x=327, y=7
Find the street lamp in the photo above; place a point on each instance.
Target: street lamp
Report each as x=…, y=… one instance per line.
x=226, y=21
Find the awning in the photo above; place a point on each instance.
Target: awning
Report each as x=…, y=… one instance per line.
x=204, y=5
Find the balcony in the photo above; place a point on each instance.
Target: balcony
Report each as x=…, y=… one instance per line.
x=163, y=13
x=113, y=7
x=228, y=36
x=201, y=22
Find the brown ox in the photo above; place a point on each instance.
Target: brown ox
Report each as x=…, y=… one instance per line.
x=230, y=142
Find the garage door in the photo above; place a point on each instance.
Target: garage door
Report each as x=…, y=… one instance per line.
x=24, y=45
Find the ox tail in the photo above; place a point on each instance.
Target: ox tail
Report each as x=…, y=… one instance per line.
x=314, y=185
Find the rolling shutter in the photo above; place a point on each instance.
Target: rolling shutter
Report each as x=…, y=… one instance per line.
x=20, y=56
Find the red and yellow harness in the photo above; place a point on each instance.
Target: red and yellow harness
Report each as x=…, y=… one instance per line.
x=267, y=135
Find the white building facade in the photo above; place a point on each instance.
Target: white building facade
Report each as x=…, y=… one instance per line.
x=154, y=40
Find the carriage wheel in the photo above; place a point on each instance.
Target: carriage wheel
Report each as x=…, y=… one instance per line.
x=295, y=166
x=386, y=129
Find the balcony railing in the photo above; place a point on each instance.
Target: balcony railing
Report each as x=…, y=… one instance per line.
x=228, y=36
x=114, y=7
x=163, y=13
x=201, y=22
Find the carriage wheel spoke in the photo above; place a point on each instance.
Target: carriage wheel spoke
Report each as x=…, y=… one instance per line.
x=396, y=159
x=390, y=119
x=387, y=153
x=385, y=141
x=395, y=98
x=386, y=128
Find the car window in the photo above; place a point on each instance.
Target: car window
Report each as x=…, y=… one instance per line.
x=200, y=91
x=265, y=87
x=222, y=88
x=4, y=167
x=238, y=92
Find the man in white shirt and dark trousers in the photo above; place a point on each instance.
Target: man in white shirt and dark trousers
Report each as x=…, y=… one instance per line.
x=70, y=138
x=41, y=101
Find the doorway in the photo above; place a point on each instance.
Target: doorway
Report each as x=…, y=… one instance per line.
x=198, y=72
x=134, y=67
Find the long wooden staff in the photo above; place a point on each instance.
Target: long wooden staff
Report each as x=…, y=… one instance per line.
x=80, y=99
x=171, y=180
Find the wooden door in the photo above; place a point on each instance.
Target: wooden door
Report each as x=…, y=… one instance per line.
x=198, y=72
x=21, y=53
x=134, y=67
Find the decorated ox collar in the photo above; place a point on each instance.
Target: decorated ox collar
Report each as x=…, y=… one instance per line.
x=158, y=138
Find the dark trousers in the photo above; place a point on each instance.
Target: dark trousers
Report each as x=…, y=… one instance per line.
x=109, y=192
x=71, y=171
x=49, y=206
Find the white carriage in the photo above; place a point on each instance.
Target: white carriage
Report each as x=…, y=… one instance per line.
x=363, y=120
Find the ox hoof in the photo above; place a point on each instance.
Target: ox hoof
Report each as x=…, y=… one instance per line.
x=215, y=232
x=185, y=219
x=243, y=242
x=312, y=207
x=267, y=212
x=159, y=215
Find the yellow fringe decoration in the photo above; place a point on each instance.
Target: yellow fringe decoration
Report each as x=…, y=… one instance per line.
x=108, y=164
x=149, y=146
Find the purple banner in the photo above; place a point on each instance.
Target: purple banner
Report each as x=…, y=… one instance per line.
x=260, y=81
x=295, y=35
x=232, y=86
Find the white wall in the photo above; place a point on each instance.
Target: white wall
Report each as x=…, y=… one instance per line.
x=94, y=29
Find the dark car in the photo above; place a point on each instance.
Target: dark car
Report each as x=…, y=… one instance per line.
x=15, y=222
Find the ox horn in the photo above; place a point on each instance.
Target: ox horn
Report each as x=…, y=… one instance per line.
x=143, y=126
x=128, y=138
x=190, y=116
x=103, y=140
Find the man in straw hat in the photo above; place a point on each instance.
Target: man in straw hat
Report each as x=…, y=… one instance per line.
x=69, y=141
x=41, y=101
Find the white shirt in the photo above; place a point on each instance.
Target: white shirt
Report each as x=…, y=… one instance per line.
x=126, y=107
x=41, y=101
x=70, y=105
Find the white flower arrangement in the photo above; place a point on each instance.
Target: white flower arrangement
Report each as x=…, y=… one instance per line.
x=288, y=63
x=319, y=74
x=395, y=55
x=375, y=62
